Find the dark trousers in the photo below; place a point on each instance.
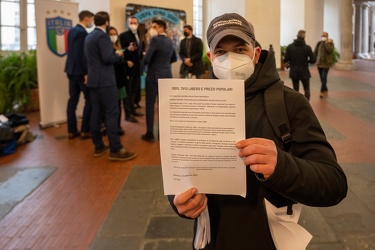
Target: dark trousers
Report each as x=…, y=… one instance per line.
x=76, y=86
x=120, y=103
x=105, y=101
x=186, y=72
x=137, y=88
x=323, y=73
x=306, y=86
x=151, y=94
x=130, y=87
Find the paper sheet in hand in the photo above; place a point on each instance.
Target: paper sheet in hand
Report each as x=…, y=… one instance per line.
x=200, y=122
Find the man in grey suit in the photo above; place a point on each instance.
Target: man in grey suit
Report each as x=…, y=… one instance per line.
x=76, y=71
x=159, y=56
x=100, y=58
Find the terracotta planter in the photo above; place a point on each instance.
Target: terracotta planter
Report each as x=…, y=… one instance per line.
x=34, y=100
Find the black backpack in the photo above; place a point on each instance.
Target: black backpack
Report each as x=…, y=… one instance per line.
x=278, y=117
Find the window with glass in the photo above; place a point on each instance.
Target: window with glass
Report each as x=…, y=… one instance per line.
x=17, y=24
x=197, y=18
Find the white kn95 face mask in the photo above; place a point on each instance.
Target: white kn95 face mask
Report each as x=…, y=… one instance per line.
x=233, y=66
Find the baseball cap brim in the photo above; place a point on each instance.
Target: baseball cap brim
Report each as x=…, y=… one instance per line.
x=229, y=32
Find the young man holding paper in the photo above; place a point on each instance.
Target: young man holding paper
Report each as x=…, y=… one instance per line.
x=308, y=173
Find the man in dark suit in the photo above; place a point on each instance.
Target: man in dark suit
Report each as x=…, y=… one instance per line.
x=76, y=70
x=159, y=56
x=191, y=52
x=101, y=81
x=133, y=67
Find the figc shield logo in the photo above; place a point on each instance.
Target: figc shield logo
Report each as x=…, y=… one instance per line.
x=57, y=35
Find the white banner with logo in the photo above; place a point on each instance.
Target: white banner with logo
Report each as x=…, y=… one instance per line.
x=53, y=22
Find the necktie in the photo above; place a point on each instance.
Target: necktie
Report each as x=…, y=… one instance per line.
x=136, y=38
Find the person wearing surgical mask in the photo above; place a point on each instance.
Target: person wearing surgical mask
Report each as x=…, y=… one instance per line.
x=132, y=37
x=306, y=173
x=191, y=50
x=121, y=78
x=323, y=52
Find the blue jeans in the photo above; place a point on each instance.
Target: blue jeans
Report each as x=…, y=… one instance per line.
x=323, y=73
x=306, y=86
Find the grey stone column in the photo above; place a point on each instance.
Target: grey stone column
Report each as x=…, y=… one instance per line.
x=372, y=31
x=365, y=31
x=358, y=30
x=345, y=61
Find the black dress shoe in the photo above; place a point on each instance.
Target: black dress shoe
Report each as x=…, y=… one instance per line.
x=137, y=114
x=121, y=132
x=73, y=135
x=85, y=135
x=131, y=119
x=148, y=137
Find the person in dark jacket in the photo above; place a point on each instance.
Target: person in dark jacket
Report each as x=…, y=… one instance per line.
x=101, y=80
x=191, y=52
x=323, y=52
x=299, y=55
x=132, y=37
x=159, y=58
x=76, y=69
x=308, y=173
x=121, y=77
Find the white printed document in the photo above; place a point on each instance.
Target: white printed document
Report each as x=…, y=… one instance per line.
x=200, y=122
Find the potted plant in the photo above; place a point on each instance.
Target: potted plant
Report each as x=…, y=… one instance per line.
x=207, y=65
x=18, y=76
x=283, y=50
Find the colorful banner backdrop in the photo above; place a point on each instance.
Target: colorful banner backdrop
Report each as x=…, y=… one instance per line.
x=53, y=22
x=175, y=19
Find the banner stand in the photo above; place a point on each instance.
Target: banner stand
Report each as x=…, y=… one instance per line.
x=53, y=20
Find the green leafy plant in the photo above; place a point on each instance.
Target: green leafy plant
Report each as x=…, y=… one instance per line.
x=206, y=61
x=283, y=50
x=336, y=55
x=18, y=74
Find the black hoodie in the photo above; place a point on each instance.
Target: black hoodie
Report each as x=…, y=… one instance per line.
x=309, y=174
x=299, y=56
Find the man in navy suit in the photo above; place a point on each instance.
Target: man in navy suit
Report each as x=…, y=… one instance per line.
x=76, y=70
x=101, y=81
x=159, y=56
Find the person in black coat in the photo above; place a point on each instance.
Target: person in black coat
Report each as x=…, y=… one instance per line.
x=307, y=173
x=299, y=55
x=132, y=37
x=191, y=52
x=76, y=71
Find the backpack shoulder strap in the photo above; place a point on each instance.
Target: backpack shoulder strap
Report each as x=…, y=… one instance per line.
x=276, y=112
x=277, y=115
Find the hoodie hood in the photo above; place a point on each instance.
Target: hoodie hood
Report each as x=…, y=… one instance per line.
x=265, y=74
x=299, y=42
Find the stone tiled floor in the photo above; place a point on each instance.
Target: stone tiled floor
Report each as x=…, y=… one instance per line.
x=69, y=208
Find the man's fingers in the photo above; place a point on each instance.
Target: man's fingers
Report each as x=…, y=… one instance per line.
x=184, y=197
